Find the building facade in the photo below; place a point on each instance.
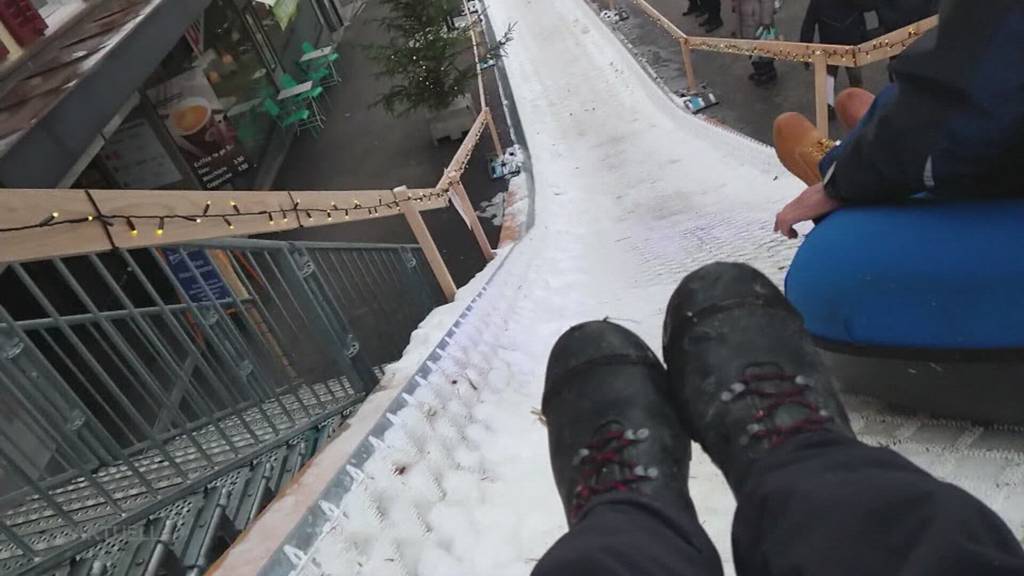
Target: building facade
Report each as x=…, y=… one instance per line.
x=154, y=94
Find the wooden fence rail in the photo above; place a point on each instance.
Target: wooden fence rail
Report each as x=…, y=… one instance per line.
x=820, y=55
x=51, y=223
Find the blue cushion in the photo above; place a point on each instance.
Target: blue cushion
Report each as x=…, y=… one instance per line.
x=928, y=274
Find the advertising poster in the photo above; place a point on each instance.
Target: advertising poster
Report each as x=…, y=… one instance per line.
x=195, y=119
x=137, y=159
x=194, y=287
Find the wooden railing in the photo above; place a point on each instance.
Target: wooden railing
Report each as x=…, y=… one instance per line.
x=820, y=55
x=37, y=224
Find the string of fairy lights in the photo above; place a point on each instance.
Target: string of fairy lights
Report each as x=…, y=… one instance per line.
x=134, y=222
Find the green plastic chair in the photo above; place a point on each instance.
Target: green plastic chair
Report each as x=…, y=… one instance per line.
x=308, y=47
x=315, y=96
x=321, y=70
x=301, y=119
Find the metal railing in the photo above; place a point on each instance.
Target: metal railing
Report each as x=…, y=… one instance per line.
x=135, y=382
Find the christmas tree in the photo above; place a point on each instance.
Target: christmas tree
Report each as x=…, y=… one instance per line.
x=429, y=60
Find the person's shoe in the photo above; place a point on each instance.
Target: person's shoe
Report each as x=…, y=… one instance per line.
x=766, y=77
x=712, y=24
x=611, y=427
x=743, y=373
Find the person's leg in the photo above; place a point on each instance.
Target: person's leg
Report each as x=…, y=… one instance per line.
x=811, y=499
x=858, y=510
x=858, y=99
x=631, y=536
x=696, y=7
x=713, y=9
x=799, y=146
x=856, y=77
x=852, y=104
x=620, y=460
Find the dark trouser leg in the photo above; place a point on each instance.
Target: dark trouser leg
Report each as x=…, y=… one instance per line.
x=856, y=77
x=827, y=504
x=713, y=8
x=629, y=535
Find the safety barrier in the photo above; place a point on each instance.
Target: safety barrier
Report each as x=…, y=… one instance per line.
x=162, y=378
x=819, y=55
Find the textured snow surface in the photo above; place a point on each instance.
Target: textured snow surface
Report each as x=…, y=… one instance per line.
x=631, y=194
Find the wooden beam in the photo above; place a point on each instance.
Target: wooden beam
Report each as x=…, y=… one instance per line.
x=793, y=51
x=821, y=94
x=894, y=42
x=28, y=207
x=499, y=150
x=691, y=78
x=474, y=220
x=660, y=20
x=21, y=207
x=426, y=242
x=458, y=164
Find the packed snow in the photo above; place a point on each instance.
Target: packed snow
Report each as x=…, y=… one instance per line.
x=631, y=194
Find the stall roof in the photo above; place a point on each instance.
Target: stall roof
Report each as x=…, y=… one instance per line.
x=55, y=101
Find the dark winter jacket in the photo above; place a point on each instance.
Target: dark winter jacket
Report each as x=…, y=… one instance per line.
x=955, y=126
x=895, y=14
x=837, y=21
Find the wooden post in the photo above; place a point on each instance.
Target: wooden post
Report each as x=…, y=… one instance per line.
x=691, y=78
x=474, y=221
x=498, y=149
x=426, y=242
x=821, y=93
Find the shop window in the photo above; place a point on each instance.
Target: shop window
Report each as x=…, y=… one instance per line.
x=208, y=90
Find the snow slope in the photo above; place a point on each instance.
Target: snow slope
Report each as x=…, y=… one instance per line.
x=631, y=193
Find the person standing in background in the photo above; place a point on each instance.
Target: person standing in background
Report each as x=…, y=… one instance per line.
x=712, y=9
x=895, y=14
x=838, y=22
x=756, y=21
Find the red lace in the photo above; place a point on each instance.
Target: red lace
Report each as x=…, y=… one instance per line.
x=601, y=453
x=778, y=434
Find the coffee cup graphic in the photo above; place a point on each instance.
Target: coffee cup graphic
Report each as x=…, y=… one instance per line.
x=191, y=123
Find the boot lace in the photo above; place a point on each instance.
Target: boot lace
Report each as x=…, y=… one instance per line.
x=607, y=454
x=764, y=426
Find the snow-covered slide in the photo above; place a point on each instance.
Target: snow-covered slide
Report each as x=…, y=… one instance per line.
x=452, y=475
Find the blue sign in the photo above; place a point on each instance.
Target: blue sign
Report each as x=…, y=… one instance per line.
x=207, y=272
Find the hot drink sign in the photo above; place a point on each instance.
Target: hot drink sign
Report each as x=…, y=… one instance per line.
x=195, y=119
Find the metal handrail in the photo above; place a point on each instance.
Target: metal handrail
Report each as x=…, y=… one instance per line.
x=173, y=381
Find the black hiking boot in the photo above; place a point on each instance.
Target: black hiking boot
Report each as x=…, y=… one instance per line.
x=765, y=77
x=611, y=427
x=712, y=24
x=744, y=375
x=694, y=9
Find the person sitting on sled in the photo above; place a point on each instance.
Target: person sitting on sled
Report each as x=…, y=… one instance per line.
x=952, y=125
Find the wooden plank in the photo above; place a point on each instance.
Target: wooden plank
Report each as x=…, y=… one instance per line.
x=821, y=93
x=495, y=140
x=218, y=222
x=793, y=51
x=691, y=78
x=894, y=42
x=660, y=20
x=29, y=207
x=20, y=207
x=474, y=221
x=458, y=164
x=426, y=242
